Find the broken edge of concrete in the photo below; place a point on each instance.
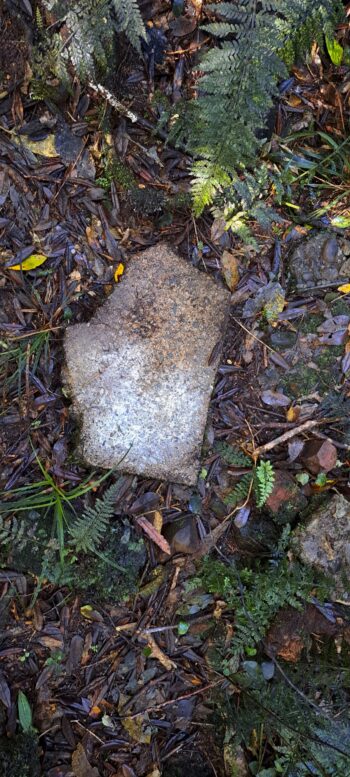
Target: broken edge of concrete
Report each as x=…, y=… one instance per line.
x=139, y=373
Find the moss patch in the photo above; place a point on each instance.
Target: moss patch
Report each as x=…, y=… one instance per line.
x=98, y=578
x=304, y=379
x=19, y=756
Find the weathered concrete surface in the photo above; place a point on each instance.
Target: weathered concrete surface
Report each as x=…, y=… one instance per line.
x=324, y=543
x=138, y=372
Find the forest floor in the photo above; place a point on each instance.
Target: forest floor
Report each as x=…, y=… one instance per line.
x=121, y=678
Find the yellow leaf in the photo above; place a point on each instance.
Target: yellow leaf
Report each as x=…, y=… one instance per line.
x=118, y=272
x=138, y=729
x=229, y=264
x=32, y=261
x=157, y=578
x=86, y=611
x=294, y=100
x=345, y=289
x=293, y=413
x=157, y=520
x=45, y=147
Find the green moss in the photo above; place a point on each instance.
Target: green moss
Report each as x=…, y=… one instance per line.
x=310, y=323
x=96, y=576
x=179, y=200
x=115, y=170
x=19, y=756
x=303, y=379
x=122, y=175
x=161, y=100
x=340, y=306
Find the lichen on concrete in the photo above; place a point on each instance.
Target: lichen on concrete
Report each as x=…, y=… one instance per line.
x=140, y=372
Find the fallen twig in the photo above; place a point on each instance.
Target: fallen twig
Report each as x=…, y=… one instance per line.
x=287, y=436
x=132, y=116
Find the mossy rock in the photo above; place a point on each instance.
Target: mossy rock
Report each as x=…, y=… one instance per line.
x=95, y=575
x=98, y=577
x=148, y=201
x=304, y=379
x=19, y=756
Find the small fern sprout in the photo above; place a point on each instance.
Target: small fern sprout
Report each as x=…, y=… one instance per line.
x=259, y=480
x=264, y=482
x=88, y=531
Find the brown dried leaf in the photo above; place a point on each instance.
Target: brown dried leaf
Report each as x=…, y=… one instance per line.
x=218, y=228
x=80, y=764
x=159, y=655
x=52, y=643
x=126, y=771
x=153, y=534
x=229, y=264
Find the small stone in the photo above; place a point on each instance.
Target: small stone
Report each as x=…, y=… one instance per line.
x=320, y=260
x=319, y=456
x=142, y=371
x=286, y=500
x=182, y=535
x=282, y=339
x=324, y=543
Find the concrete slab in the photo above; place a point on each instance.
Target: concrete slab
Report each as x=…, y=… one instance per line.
x=139, y=372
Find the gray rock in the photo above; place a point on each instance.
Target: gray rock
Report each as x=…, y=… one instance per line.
x=182, y=535
x=321, y=260
x=324, y=543
x=138, y=373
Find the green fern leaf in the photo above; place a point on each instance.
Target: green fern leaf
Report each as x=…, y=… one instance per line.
x=240, y=492
x=233, y=455
x=13, y=533
x=129, y=20
x=238, y=83
x=263, y=482
x=92, y=25
x=88, y=531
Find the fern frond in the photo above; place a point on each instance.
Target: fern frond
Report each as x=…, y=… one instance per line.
x=218, y=29
x=241, y=491
x=92, y=25
x=208, y=179
x=263, y=482
x=233, y=455
x=238, y=83
x=129, y=20
x=87, y=532
x=13, y=533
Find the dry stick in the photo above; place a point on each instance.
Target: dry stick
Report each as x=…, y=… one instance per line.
x=213, y=537
x=254, y=336
x=34, y=332
x=172, y=701
x=287, y=436
x=132, y=116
